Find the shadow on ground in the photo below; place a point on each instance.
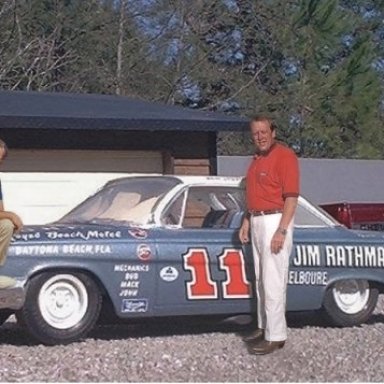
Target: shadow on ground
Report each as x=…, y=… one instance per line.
x=13, y=334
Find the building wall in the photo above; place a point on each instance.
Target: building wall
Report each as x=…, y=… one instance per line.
x=183, y=152
x=326, y=180
x=44, y=197
x=48, y=172
x=82, y=160
x=183, y=143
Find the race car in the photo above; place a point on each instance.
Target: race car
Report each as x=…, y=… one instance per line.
x=148, y=246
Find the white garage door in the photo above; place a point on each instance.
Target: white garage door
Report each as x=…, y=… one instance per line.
x=82, y=161
x=43, y=185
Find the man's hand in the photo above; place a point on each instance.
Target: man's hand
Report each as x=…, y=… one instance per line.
x=244, y=231
x=17, y=222
x=277, y=241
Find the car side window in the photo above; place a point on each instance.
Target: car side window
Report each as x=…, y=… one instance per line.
x=196, y=208
x=306, y=218
x=173, y=215
x=211, y=207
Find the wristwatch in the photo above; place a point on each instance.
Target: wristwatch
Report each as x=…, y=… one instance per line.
x=283, y=231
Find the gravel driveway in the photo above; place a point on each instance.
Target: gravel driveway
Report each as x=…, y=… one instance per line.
x=170, y=351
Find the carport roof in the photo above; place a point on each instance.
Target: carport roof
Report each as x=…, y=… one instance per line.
x=48, y=110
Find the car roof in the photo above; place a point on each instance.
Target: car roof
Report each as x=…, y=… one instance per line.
x=186, y=179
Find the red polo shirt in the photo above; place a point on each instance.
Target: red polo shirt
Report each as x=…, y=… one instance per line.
x=272, y=177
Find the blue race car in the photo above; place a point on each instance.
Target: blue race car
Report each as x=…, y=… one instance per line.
x=150, y=246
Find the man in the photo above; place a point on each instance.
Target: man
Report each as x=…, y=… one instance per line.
x=272, y=190
x=9, y=223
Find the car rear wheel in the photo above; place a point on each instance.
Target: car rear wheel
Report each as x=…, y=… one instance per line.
x=350, y=302
x=61, y=307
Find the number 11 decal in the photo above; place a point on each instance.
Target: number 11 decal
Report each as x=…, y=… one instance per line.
x=202, y=286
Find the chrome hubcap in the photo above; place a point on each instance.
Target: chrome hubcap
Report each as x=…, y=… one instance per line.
x=351, y=296
x=63, y=301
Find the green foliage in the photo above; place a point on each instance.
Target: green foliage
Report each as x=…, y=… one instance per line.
x=316, y=66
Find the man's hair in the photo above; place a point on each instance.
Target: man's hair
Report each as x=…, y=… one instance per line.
x=5, y=149
x=264, y=117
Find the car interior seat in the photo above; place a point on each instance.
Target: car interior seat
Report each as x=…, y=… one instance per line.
x=214, y=219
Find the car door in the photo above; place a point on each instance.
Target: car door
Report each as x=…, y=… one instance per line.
x=308, y=276
x=202, y=266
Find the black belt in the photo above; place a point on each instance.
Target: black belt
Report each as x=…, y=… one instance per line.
x=267, y=212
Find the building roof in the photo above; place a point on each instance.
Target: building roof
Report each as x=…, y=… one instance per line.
x=48, y=110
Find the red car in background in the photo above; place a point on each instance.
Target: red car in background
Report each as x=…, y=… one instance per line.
x=367, y=216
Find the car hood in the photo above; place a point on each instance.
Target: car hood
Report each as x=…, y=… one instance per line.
x=77, y=232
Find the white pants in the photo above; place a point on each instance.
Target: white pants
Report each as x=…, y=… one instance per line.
x=271, y=275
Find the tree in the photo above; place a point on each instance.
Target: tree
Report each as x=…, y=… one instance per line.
x=319, y=71
x=315, y=66
x=335, y=88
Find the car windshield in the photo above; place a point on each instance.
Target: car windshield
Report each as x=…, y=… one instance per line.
x=128, y=201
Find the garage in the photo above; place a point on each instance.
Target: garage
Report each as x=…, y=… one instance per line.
x=64, y=132
x=63, y=146
x=43, y=185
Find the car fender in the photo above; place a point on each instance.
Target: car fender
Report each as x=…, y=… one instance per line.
x=372, y=276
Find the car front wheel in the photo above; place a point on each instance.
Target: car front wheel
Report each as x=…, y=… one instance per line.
x=4, y=314
x=61, y=307
x=350, y=302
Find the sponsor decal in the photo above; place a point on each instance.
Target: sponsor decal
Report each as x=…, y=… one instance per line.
x=34, y=250
x=130, y=281
x=131, y=268
x=347, y=256
x=202, y=286
x=86, y=248
x=54, y=249
x=86, y=235
x=134, y=305
x=143, y=252
x=311, y=264
x=129, y=284
x=354, y=256
x=138, y=233
x=169, y=274
x=308, y=278
x=307, y=255
x=128, y=292
x=27, y=236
